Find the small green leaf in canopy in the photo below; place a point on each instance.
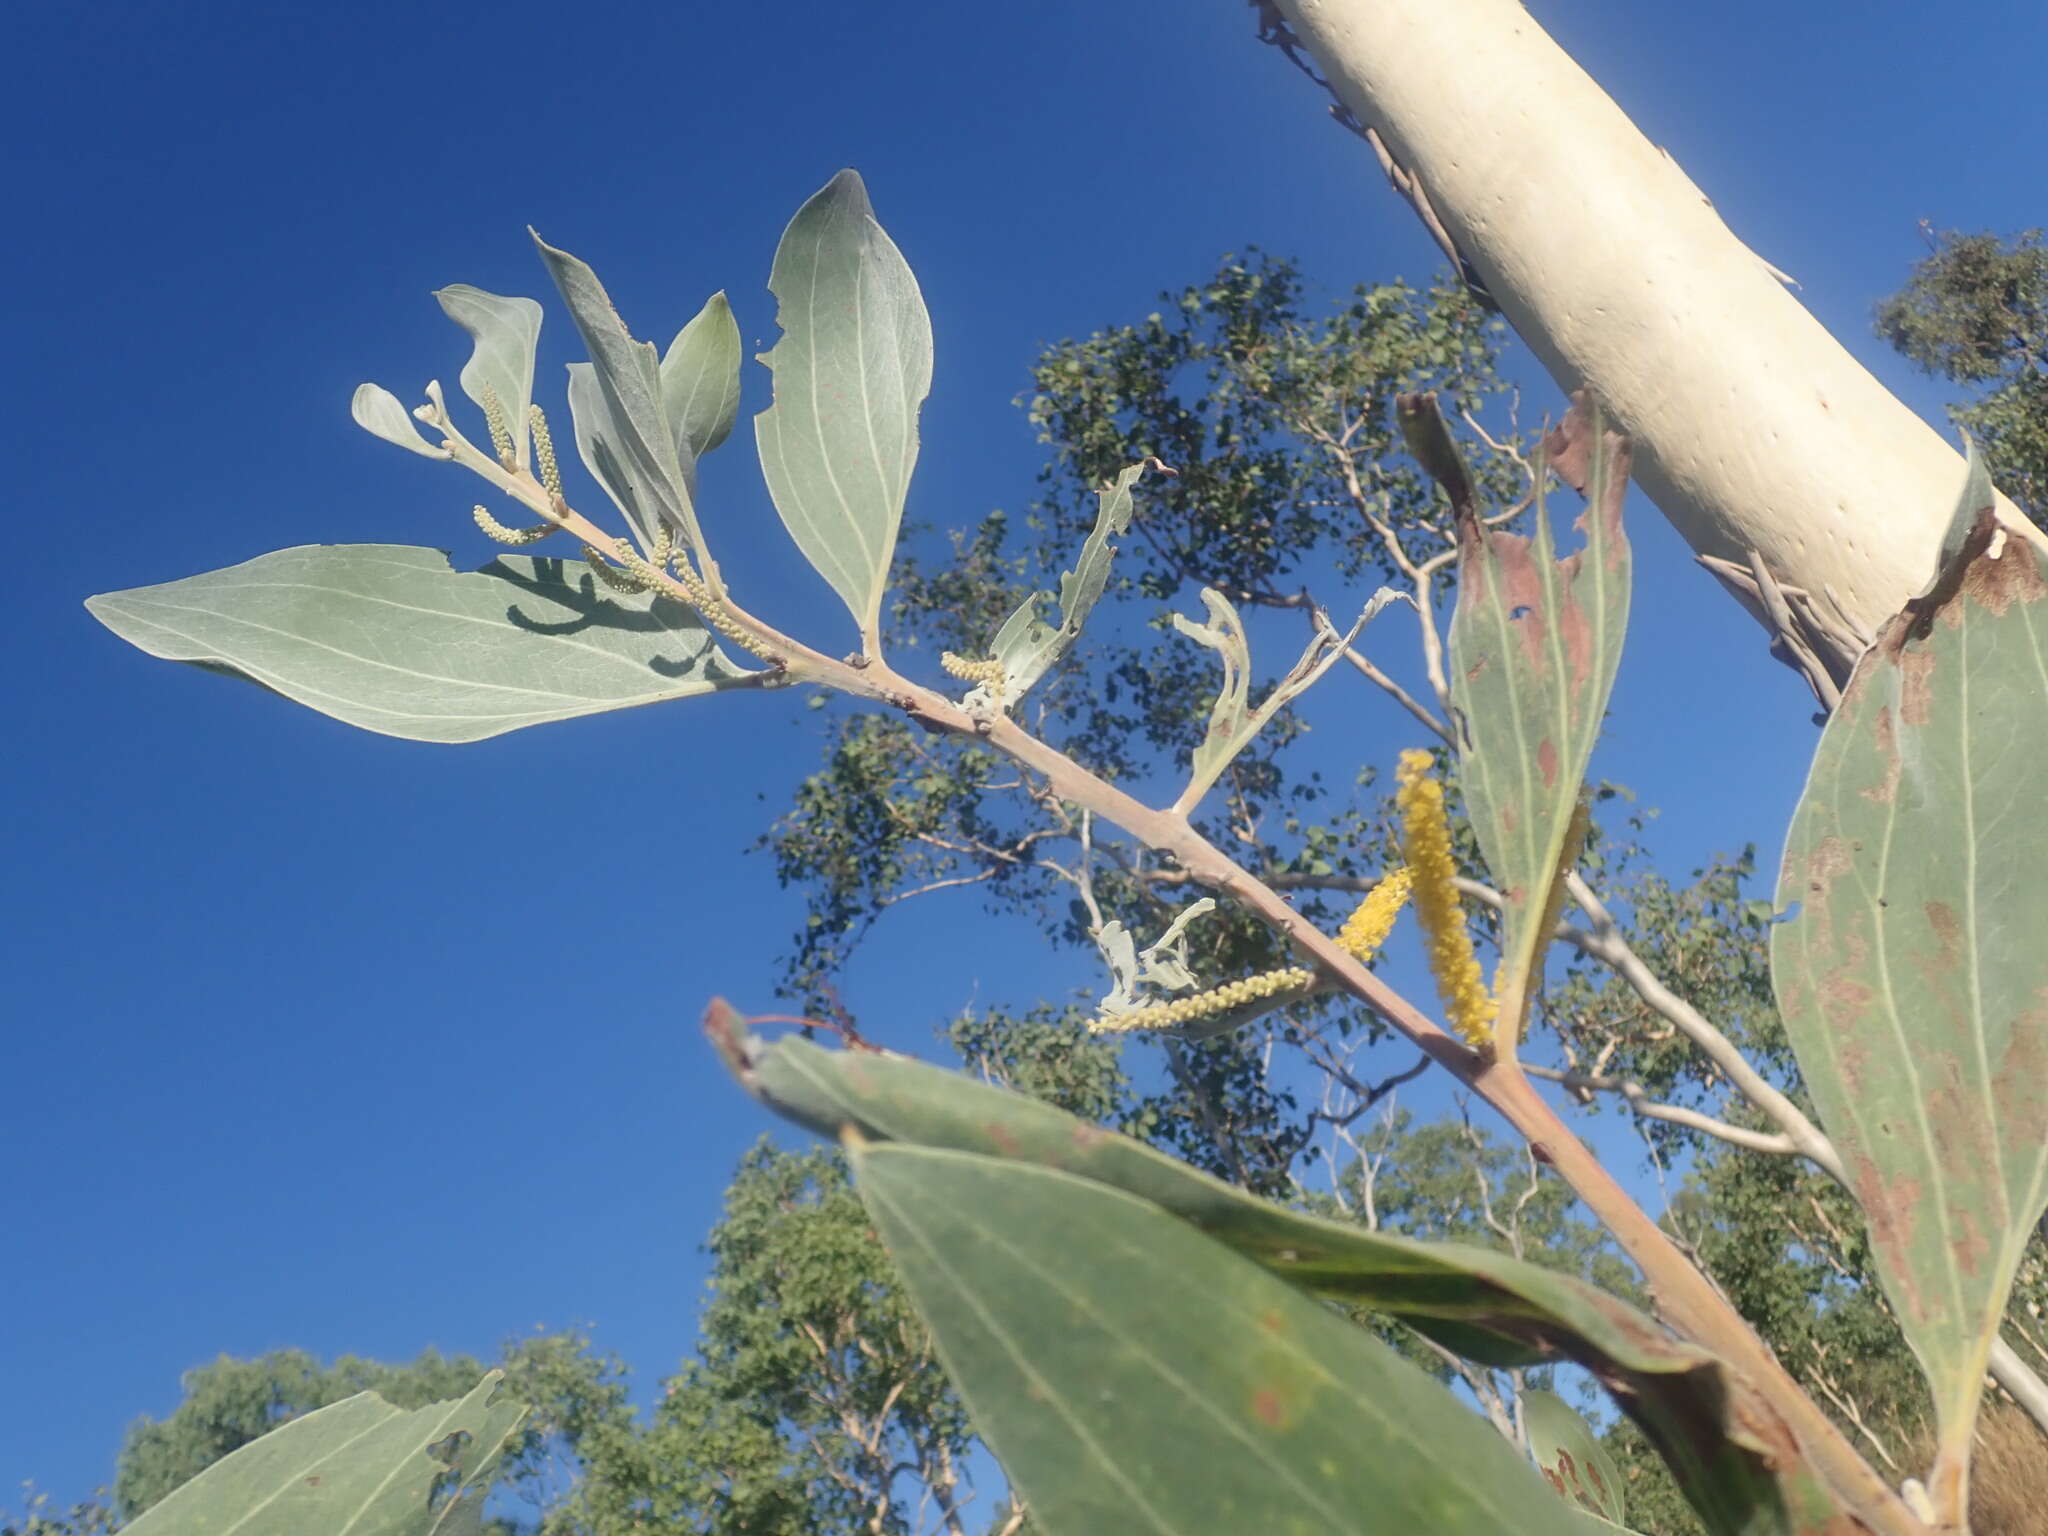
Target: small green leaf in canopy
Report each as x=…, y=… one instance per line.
x=1913, y=978
x=1132, y=1375
x=851, y=370
x=700, y=383
x=359, y=1467
x=391, y=638
x=1534, y=644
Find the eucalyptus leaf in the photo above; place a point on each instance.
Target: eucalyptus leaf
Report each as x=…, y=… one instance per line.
x=628, y=376
x=1571, y=1457
x=391, y=638
x=1476, y=1302
x=359, y=1467
x=700, y=383
x=1913, y=978
x=1026, y=645
x=377, y=410
x=1133, y=1375
x=852, y=368
x=506, y=332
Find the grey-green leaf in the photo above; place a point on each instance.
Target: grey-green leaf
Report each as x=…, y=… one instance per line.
x=700, y=383
x=359, y=1467
x=1914, y=978
x=1135, y=1376
x=602, y=445
x=391, y=638
x=851, y=371
x=506, y=332
x=628, y=376
x=377, y=410
x=1026, y=645
x=1571, y=1456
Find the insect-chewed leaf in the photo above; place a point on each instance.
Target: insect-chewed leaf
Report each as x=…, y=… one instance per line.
x=628, y=377
x=851, y=370
x=1571, y=1456
x=1134, y=1375
x=1476, y=1302
x=359, y=1467
x=391, y=638
x=1534, y=645
x=1233, y=722
x=700, y=383
x=1026, y=645
x=1914, y=979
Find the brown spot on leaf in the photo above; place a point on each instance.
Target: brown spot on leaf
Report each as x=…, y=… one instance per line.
x=1886, y=790
x=2019, y=1088
x=1272, y=1321
x=1002, y=1138
x=1269, y=1407
x=1892, y=1207
x=1546, y=762
x=2014, y=577
x=1916, y=686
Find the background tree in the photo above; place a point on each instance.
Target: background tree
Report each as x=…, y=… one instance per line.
x=1975, y=312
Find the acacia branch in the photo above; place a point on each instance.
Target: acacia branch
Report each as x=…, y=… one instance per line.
x=1766, y=1402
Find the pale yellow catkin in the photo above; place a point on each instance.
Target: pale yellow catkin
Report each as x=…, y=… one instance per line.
x=1232, y=994
x=1426, y=845
x=513, y=536
x=544, y=451
x=989, y=674
x=494, y=418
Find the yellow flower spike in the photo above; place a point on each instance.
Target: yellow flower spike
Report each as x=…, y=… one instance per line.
x=513, y=536
x=544, y=451
x=618, y=580
x=1185, y=1010
x=1366, y=929
x=501, y=435
x=1426, y=845
x=989, y=674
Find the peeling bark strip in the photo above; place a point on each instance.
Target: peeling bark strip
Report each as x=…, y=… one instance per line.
x=1756, y=433
x=1913, y=981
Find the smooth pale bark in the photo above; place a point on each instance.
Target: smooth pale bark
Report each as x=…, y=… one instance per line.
x=1754, y=429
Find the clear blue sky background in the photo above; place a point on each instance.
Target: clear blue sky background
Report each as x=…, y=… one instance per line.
x=317, y=1038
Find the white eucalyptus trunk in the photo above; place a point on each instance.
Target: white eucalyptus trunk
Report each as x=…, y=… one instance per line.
x=1754, y=429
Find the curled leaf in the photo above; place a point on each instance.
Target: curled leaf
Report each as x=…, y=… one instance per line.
x=377, y=410
x=499, y=373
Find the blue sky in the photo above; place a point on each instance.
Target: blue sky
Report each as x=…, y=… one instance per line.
x=321, y=1039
